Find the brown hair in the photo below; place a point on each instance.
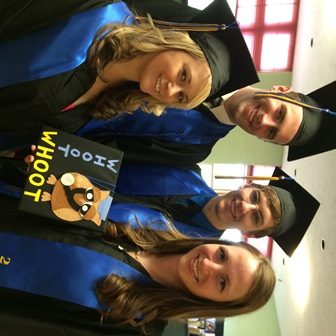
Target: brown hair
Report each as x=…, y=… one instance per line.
x=293, y=94
x=129, y=300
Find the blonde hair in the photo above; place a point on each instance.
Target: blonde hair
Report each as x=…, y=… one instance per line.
x=128, y=299
x=119, y=43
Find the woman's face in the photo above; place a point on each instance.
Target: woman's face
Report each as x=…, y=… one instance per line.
x=217, y=272
x=174, y=77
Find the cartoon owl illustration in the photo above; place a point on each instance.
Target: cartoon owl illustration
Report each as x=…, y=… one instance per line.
x=75, y=198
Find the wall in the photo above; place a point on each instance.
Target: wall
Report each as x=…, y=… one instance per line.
x=240, y=147
x=263, y=322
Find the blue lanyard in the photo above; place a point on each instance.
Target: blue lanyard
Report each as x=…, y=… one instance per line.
x=58, y=270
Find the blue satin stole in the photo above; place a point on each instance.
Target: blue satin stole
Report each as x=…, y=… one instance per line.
x=160, y=180
x=53, y=50
x=141, y=180
x=58, y=270
x=193, y=127
x=200, y=220
x=136, y=214
x=58, y=48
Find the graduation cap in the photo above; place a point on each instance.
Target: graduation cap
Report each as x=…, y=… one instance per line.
x=216, y=31
x=323, y=138
x=241, y=68
x=316, y=133
x=298, y=208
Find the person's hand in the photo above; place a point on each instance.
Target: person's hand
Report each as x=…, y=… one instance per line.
x=29, y=159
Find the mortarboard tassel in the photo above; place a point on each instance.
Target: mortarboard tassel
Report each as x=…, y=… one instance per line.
x=283, y=97
x=196, y=27
x=267, y=178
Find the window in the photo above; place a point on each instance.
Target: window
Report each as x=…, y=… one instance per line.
x=216, y=175
x=269, y=28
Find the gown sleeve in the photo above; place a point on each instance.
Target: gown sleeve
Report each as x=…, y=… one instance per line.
x=149, y=151
x=19, y=17
x=40, y=316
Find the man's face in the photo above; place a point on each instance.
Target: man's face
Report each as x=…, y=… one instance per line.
x=245, y=209
x=267, y=118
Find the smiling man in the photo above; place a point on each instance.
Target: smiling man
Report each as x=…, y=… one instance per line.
x=184, y=138
x=283, y=209
x=152, y=197
x=267, y=118
x=249, y=209
x=254, y=210
x=280, y=115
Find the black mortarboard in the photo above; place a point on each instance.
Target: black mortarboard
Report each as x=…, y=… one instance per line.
x=323, y=137
x=298, y=208
x=226, y=51
x=216, y=45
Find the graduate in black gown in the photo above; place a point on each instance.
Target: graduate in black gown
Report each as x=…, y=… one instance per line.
x=178, y=139
x=51, y=272
x=156, y=141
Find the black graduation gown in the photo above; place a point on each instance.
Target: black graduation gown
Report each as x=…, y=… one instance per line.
x=40, y=102
x=15, y=21
x=25, y=107
x=23, y=314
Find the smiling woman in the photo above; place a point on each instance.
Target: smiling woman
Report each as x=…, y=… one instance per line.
x=175, y=78
x=201, y=277
x=142, y=277
x=169, y=67
x=106, y=61
x=216, y=272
